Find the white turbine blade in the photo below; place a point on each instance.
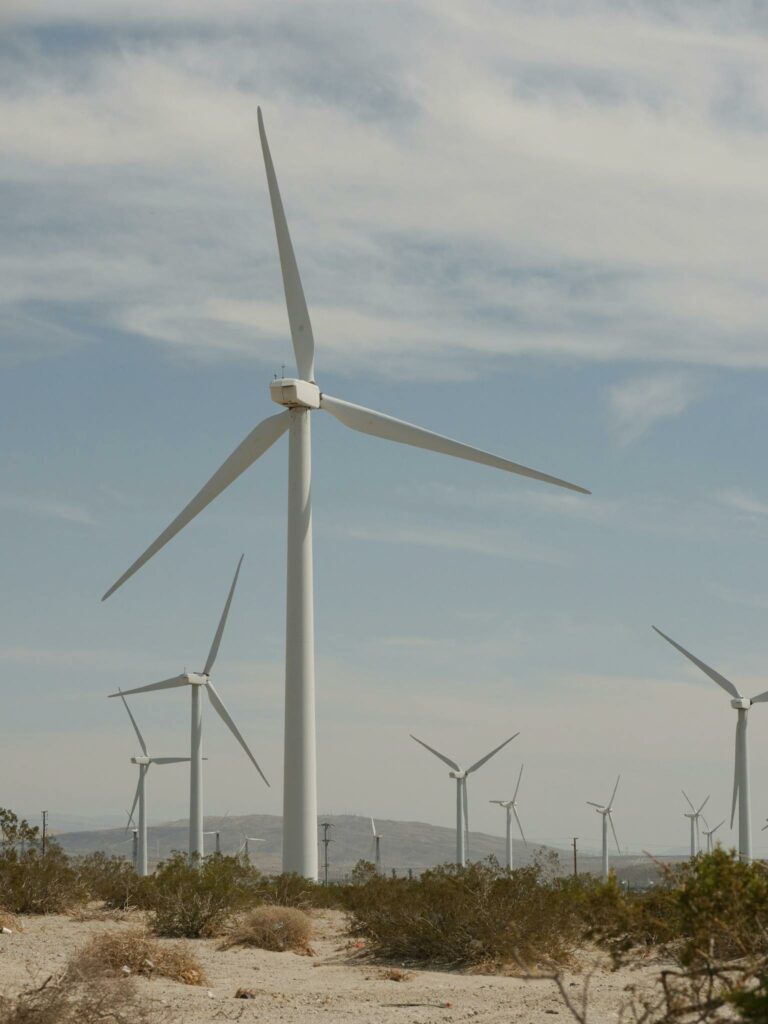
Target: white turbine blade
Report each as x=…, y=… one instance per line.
x=131, y=822
x=298, y=316
x=222, y=623
x=613, y=794
x=593, y=804
x=764, y=828
x=227, y=719
x=447, y=760
x=136, y=797
x=735, y=775
x=689, y=800
x=135, y=727
x=373, y=828
x=169, y=760
x=615, y=837
x=164, y=684
x=703, y=806
x=726, y=684
x=487, y=757
x=519, y=825
x=258, y=441
x=760, y=698
x=465, y=802
x=519, y=777
x=378, y=425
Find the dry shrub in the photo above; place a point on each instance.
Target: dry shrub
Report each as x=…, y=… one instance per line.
x=113, y=880
x=195, y=900
x=109, y=954
x=9, y=920
x=31, y=883
x=274, y=928
x=67, y=999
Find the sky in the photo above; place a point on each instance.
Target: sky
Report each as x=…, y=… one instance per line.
x=539, y=229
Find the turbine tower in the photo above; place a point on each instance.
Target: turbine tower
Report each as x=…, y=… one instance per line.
x=462, y=809
x=299, y=397
x=607, y=812
x=694, y=816
x=511, y=808
x=217, y=847
x=140, y=859
x=198, y=681
x=741, y=760
x=245, y=848
x=377, y=847
x=709, y=832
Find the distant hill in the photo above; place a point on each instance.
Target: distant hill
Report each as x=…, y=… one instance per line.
x=405, y=845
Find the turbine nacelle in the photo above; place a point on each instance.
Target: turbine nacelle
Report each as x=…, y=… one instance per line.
x=141, y=760
x=741, y=703
x=196, y=678
x=295, y=393
x=457, y=775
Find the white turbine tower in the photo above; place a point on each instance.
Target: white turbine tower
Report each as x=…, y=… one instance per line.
x=217, y=847
x=694, y=816
x=299, y=396
x=376, y=846
x=607, y=812
x=511, y=808
x=462, y=809
x=709, y=833
x=140, y=858
x=198, y=681
x=741, y=760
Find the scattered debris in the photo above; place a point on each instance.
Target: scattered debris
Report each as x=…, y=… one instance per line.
x=246, y=993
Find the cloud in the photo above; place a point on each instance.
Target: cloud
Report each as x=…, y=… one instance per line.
x=640, y=402
x=50, y=509
x=739, y=597
x=743, y=501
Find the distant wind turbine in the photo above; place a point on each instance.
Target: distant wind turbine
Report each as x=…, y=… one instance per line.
x=245, y=848
x=607, y=812
x=217, y=848
x=511, y=808
x=694, y=816
x=140, y=846
x=462, y=809
x=741, y=759
x=299, y=396
x=376, y=846
x=198, y=681
x=709, y=833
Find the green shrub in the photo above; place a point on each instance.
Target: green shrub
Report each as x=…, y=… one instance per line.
x=196, y=900
x=292, y=890
x=112, y=880
x=461, y=916
x=31, y=883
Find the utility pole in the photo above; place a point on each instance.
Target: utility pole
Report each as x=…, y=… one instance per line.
x=326, y=841
x=45, y=828
x=575, y=861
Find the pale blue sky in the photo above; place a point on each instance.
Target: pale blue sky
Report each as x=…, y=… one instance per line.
x=540, y=232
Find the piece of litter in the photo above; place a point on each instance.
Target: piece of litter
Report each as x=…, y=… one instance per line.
x=125, y=969
x=6, y=931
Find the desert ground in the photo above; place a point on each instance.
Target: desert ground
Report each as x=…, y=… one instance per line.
x=337, y=983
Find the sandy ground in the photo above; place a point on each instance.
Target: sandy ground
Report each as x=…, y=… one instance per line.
x=332, y=985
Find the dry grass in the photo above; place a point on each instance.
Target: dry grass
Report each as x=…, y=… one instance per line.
x=9, y=920
x=135, y=952
x=66, y=999
x=275, y=928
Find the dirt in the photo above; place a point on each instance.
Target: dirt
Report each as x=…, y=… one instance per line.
x=337, y=983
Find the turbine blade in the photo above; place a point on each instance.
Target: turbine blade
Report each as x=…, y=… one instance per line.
x=726, y=684
x=760, y=698
x=735, y=775
x=689, y=800
x=298, y=315
x=258, y=441
x=135, y=727
x=465, y=803
x=613, y=794
x=615, y=837
x=519, y=825
x=487, y=757
x=519, y=777
x=373, y=828
x=227, y=719
x=703, y=805
x=593, y=804
x=447, y=760
x=378, y=425
x=169, y=760
x=164, y=684
x=130, y=821
x=222, y=623
x=136, y=797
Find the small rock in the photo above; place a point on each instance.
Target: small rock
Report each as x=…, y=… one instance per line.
x=210, y=994
x=6, y=931
x=551, y=1011
x=125, y=969
x=245, y=993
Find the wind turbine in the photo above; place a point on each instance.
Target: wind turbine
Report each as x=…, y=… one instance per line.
x=245, y=848
x=462, y=810
x=741, y=759
x=217, y=848
x=511, y=808
x=709, y=832
x=607, y=812
x=143, y=762
x=198, y=681
x=694, y=816
x=377, y=846
x=299, y=396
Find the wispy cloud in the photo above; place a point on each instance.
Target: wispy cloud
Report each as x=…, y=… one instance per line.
x=494, y=543
x=50, y=509
x=743, y=501
x=732, y=595
x=637, y=404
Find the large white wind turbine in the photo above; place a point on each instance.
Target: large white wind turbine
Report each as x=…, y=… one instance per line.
x=462, y=808
x=511, y=808
x=198, y=681
x=709, y=833
x=140, y=859
x=300, y=396
x=607, y=812
x=694, y=816
x=376, y=846
x=741, y=760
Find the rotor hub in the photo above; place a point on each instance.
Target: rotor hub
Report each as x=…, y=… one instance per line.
x=741, y=703
x=196, y=679
x=140, y=760
x=295, y=393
